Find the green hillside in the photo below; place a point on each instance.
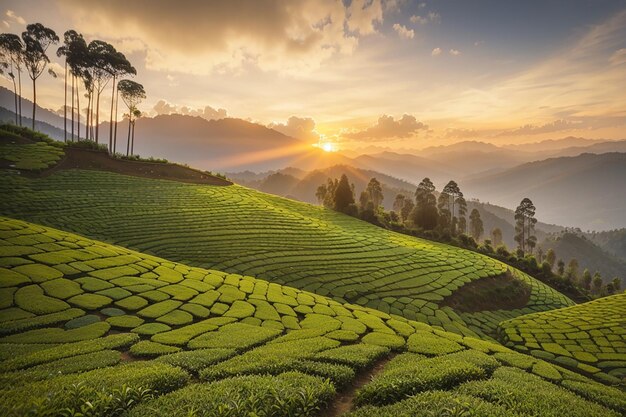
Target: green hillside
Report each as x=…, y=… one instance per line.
x=589, y=337
x=91, y=328
x=239, y=230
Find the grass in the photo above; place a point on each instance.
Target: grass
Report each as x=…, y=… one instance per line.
x=268, y=237
x=260, y=344
x=589, y=337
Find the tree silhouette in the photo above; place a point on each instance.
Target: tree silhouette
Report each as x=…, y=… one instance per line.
x=596, y=282
x=586, y=279
x=496, y=237
x=344, y=196
x=525, y=225
x=476, y=225
x=132, y=94
x=425, y=213
x=119, y=67
x=11, y=57
x=375, y=192
x=551, y=258
x=37, y=38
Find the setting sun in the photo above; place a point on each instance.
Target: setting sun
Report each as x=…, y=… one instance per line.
x=327, y=147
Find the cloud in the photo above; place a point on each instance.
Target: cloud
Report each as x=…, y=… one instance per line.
x=364, y=15
x=208, y=112
x=386, y=128
x=286, y=37
x=455, y=52
x=618, y=57
x=297, y=127
x=436, y=52
x=403, y=31
x=433, y=17
x=15, y=18
x=529, y=129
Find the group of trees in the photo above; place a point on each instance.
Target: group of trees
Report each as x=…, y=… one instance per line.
x=443, y=218
x=94, y=65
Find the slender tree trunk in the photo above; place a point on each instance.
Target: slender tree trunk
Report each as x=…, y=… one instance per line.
x=117, y=100
x=14, y=95
x=34, y=101
x=19, y=83
x=111, y=118
x=65, y=104
x=128, y=140
x=78, y=108
x=91, y=125
x=97, y=115
x=73, y=107
x=132, y=143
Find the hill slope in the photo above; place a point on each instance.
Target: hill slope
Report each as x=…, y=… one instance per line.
x=239, y=230
x=77, y=314
x=590, y=337
x=589, y=255
x=569, y=191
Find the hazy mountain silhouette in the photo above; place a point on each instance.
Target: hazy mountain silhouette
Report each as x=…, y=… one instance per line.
x=585, y=191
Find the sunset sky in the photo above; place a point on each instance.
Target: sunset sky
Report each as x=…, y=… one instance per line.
x=392, y=73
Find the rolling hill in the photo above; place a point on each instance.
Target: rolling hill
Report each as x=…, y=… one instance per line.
x=240, y=302
x=555, y=185
x=87, y=325
x=239, y=230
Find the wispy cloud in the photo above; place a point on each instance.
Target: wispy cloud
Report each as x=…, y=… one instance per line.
x=403, y=31
x=387, y=128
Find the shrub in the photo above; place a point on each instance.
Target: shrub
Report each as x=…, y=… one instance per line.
x=56, y=335
x=196, y=360
x=357, y=356
x=272, y=358
x=68, y=350
x=383, y=339
x=289, y=394
x=435, y=403
x=38, y=321
x=601, y=394
x=527, y=394
x=149, y=349
x=235, y=335
x=183, y=335
x=396, y=383
x=53, y=396
x=31, y=298
x=430, y=344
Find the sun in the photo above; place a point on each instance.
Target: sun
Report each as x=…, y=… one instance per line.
x=327, y=147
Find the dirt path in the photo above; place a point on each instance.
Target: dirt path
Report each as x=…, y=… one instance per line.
x=343, y=401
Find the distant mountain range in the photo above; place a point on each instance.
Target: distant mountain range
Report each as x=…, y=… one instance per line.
x=585, y=191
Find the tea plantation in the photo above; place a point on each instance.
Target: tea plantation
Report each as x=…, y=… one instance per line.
x=88, y=328
x=590, y=337
x=242, y=231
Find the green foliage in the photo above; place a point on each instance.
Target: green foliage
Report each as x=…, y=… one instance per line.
x=431, y=344
x=236, y=336
x=146, y=348
x=416, y=374
x=435, y=403
x=357, y=356
x=574, y=336
x=196, y=360
x=289, y=394
x=56, y=335
x=527, y=394
x=49, y=397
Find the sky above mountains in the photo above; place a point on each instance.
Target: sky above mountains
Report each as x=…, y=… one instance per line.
x=398, y=73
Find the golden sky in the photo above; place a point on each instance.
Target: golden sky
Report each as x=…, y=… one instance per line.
x=396, y=73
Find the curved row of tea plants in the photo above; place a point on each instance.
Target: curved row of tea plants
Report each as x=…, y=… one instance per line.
x=76, y=314
x=589, y=337
x=452, y=377
x=243, y=231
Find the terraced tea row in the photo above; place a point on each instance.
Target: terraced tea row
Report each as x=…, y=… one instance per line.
x=254, y=346
x=30, y=157
x=590, y=337
x=242, y=231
